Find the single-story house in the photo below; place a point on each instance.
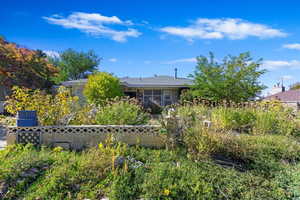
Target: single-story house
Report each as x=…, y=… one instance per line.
x=290, y=98
x=161, y=90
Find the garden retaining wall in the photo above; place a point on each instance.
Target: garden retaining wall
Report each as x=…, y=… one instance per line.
x=78, y=137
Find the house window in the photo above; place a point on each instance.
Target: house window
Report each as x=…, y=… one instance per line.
x=152, y=95
x=167, y=97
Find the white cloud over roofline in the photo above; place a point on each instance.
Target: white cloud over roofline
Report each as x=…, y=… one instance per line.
x=295, y=46
x=281, y=64
x=96, y=24
x=231, y=28
x=183, y=60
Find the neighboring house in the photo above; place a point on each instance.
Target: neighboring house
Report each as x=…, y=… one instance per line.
x=161, y=90
x=290, y=98
x=276, y=89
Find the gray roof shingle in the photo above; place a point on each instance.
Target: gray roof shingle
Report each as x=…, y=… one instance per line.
x=160, y=81
x=156, y=81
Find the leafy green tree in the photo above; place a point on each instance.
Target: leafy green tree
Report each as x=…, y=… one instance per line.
x=102, y=86
x=295, y=86
x=236, y=78
x=75, y=65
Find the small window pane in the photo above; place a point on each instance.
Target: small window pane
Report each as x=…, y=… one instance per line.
x=156, y=92
x=147, y=92
x=157, y=100
x=147, y=99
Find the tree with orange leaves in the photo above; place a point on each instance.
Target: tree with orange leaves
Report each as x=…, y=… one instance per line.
x=23, y=67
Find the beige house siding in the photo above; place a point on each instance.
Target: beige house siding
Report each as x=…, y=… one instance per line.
x=77, y=90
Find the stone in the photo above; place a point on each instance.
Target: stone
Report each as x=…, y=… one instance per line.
x=133, y=163
x=119, y=161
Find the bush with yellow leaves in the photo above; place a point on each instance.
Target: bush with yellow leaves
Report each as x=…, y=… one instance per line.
x=51, y=109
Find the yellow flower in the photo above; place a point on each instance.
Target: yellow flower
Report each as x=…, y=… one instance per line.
x=57, y=149
x=100, y=146
x=166, y=192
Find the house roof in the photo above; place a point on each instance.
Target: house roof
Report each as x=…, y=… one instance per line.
x=287, y=96
x=156, y=81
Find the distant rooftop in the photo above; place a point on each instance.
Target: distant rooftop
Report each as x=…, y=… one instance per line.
x=155, y=81
x=287, y=96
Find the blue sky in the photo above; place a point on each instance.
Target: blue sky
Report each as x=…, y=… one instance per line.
x=143, y=38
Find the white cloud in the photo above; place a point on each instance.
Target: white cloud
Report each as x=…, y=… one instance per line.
x=145, y=22
x=112, y=60
x=183, y=60
x=280, y=64
x=292, y=46
x=287, y=77
x=234, y=29
x=96, y=24
x=51, y=53
x=147, y=62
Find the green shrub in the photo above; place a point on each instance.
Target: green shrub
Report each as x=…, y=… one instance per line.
x=85, y=115
x=240, y=119
x=274, y=122
x=266, y=122
x=200, y=142
x=193, y=112
x=189, y=180
x=290, y=180
x=102, y=86
x=264, y=154
x=121, y=112
x=79, y=175
x=125, y=185
x=166, y=181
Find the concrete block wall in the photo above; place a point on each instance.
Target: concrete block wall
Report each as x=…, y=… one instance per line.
x=78, y=137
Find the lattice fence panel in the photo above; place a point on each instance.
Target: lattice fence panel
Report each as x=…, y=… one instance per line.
x=33, y=134
x=32, y=137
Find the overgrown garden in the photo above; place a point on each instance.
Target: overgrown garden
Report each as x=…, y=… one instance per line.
x=247, y=152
